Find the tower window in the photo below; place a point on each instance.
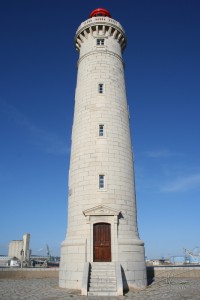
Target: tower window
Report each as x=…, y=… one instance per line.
x=101, y=181
x=101, y=130
x=101, y=88
x=100, y=42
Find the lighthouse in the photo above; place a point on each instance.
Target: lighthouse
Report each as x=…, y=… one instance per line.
x=102, y=253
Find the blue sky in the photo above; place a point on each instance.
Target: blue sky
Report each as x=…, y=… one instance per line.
x=37, y=83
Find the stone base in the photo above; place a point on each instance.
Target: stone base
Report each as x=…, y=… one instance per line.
x=72, y=264
x=131, y=258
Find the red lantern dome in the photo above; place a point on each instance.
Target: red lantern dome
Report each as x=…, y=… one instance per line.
x=100, y=12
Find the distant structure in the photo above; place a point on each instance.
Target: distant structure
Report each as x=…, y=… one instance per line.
x=156, y=262
x=193, y=256
x=178, y=260
x=102, y=235
x=15, y=248
x=20, y=248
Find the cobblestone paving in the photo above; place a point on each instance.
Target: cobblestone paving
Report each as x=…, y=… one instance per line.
x=47, y=289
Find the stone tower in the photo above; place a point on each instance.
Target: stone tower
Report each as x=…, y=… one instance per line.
x=102, y=216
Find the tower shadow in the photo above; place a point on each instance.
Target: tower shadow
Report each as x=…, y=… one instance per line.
x=124, y=282
x=150, y=275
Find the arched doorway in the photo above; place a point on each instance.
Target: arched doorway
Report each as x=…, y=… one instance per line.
x=102, y=242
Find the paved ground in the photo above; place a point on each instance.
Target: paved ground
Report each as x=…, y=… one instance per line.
x=47, y=289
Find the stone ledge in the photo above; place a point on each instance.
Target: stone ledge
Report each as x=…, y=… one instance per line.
x=173, y=271
x=13, y=273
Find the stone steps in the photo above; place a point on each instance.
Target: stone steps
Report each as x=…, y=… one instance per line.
x=102, y=280
x=103, y=284
x=100, y=293
x=104, y=276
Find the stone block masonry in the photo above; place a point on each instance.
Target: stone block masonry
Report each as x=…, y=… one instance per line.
x=102, y=213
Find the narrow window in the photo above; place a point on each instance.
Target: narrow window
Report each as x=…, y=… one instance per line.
x=101, y=88
x=101, y=181
x=100, y=42
x=101, y=130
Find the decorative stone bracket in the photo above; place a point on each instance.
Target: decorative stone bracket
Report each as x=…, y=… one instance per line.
x=107, y=27
x=101, y=210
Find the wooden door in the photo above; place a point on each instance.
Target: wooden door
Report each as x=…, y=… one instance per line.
x=102, y=242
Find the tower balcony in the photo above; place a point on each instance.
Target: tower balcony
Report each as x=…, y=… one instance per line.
x=101, y=26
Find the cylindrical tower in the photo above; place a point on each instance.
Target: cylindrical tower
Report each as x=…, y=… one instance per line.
x=102, y=218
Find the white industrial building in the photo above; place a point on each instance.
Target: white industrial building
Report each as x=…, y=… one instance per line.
x=20, y=248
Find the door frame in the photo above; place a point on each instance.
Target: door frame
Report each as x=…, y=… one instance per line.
x=101, y=214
